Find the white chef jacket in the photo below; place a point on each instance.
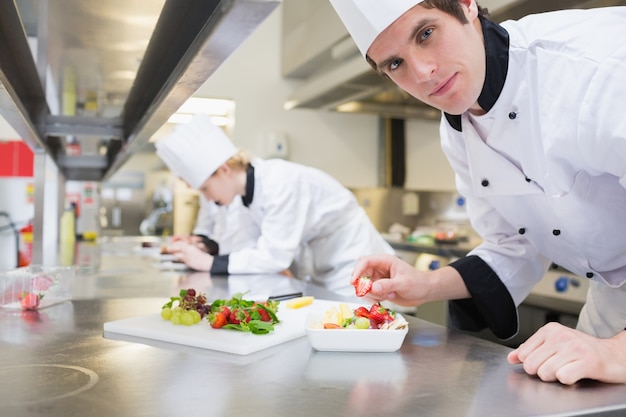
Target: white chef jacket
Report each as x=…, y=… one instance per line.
x=544, y=170
x=297, y=206
x=230, y=226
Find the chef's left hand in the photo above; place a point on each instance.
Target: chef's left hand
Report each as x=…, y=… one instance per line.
x=559, y=353
x=192, y=256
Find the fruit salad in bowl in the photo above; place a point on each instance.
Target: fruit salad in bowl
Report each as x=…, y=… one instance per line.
x=343, y=328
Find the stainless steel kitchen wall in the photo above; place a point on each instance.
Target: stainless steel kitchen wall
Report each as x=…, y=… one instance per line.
x=388, y=205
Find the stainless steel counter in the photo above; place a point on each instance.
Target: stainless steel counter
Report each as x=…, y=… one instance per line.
x=58, y=363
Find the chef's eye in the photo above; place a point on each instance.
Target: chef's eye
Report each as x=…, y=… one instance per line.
x=394, y=64
x=425, y=34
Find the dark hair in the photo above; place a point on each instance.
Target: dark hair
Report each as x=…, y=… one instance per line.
x=451, y=7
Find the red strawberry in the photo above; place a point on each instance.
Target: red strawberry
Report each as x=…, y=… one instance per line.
x=30, y=301
x=362, y=286
x=225, y=311
x=362, y=312
x=217, y=320
x=379, y=315
x=238, y=315
x=263, y=314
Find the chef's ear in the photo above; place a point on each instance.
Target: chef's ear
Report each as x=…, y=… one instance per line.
x=470, y=8
x=224, y=168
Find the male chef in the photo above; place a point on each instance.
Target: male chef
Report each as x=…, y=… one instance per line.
x=533, y=125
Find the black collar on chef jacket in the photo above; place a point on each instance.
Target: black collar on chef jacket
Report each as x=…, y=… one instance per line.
x=247, y=197
x=497, y=64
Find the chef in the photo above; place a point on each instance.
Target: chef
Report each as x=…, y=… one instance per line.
x=533, y=125
x=297, y=209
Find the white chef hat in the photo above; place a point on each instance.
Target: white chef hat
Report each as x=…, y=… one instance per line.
x=194, y=151
x=366, y=19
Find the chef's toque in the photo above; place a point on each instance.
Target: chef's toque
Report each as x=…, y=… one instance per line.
x=366, y=19
x=196, y=150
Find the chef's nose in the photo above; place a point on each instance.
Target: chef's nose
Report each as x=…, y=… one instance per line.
x=422, y=67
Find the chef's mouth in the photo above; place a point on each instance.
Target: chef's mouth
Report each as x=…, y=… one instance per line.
x=444, y=87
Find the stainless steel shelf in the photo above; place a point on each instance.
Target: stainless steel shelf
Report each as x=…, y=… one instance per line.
x=173, y=47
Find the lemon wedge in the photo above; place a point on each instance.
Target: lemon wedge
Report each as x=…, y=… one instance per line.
x=299, y=302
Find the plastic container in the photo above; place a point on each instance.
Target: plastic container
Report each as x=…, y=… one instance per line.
x=35, y=287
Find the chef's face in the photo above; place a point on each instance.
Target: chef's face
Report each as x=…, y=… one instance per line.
x=434, y=57
x=220, y=186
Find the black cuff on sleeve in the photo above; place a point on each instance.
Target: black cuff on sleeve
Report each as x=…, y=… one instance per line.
x=220, y=265
x=212, y=247
x=491, y=304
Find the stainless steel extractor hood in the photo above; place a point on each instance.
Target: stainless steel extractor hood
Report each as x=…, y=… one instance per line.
x=339, y=79
x=103, y=76
x=353, y=87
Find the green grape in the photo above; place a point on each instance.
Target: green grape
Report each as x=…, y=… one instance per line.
x=176, y=317
x=196, y=316
x=186, y=318
x=166, y=313
x=362, y=323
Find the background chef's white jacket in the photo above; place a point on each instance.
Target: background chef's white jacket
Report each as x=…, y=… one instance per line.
x=544, y=171
x=230, y=226
x=295, y=206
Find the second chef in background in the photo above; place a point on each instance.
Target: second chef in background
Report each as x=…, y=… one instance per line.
x=294, y=207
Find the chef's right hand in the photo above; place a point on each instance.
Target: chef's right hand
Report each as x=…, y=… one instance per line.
x=393, y=279
x=397, y=281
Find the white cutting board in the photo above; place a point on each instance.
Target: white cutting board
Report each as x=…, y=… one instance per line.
x=202, y=335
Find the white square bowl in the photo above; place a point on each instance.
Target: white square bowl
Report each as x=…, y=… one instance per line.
x=353, y=340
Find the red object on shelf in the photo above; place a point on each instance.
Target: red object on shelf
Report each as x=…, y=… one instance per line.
x=16, y=159
x=26, y=245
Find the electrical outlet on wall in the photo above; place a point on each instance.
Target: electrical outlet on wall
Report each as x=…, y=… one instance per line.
x=276, y=145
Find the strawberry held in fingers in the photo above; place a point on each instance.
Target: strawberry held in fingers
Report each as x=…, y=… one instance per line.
x=362, y=286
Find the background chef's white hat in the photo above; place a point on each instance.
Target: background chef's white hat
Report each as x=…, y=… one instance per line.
x=366, y=19
x=196, y=150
